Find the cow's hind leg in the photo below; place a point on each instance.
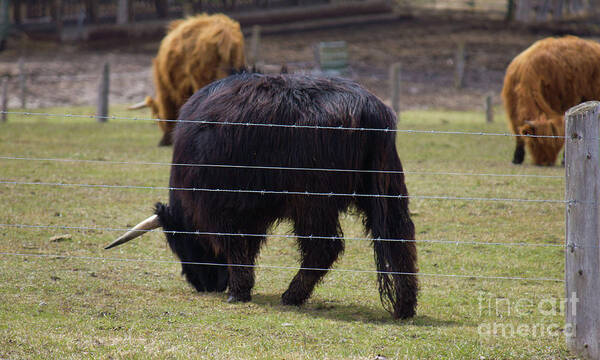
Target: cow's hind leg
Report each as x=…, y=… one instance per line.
x=316, y=254
x=519, y=155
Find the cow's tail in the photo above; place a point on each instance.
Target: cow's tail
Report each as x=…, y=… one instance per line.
x=389, y=222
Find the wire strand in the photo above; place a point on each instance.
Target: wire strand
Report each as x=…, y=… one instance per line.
x=276, y=192
x=111, y=162
x=284, y=236
x=315, y=127
x=485, y=277
x=78, y=77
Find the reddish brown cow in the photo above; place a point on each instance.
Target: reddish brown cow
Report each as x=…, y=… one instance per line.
x=541, y=84
x=195, y=52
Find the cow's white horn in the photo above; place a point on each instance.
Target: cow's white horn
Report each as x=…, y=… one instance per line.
x=140, y=229
x=141, y=104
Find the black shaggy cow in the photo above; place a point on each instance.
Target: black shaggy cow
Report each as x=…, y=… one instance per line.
x=235, y=121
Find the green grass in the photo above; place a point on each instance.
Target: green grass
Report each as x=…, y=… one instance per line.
x=79, y=306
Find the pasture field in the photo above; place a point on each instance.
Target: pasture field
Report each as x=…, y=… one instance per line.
x=66, y=297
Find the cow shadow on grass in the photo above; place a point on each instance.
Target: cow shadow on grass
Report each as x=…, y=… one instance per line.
x=349, y=312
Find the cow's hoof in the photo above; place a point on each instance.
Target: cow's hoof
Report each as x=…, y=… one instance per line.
x=235, y=299
x=404, y=314
x=294, y=300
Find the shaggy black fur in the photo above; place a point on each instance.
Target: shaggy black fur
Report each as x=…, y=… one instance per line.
x=291, y=100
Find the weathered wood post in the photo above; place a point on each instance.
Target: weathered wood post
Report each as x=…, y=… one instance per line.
x=582, y=259
x=4, y=22
x=4, y=97
x=188, y=8
x=489, y=109
x=162, y=8
x=58, y=18
x=18, y=11
x=523, y=12
x=395, y=87
x=459, y=73
x=255, y=44
x=80, y=24
x=22, y=83
x=91, y=11
x=103, y=88
x=123, y=12
x=557, y=11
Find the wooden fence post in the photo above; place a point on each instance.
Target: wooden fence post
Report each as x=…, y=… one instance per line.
x=22, y=83
x=188, y=8
x=162, y=8
x=103, y=88
x=489, y=109
x=123, y=12
x=459, y=74
x=255, y=44
x=4, y=97
x=58, y=18
x=395, y=87
x=523, y=12
x=582, y=259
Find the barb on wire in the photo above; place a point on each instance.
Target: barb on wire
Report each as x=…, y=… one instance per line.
x=284, y=236
x=255, y=167
x=284, y=192
x=466, y=276
x=294, y=126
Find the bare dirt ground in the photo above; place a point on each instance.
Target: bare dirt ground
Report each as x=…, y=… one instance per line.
x=425, y=46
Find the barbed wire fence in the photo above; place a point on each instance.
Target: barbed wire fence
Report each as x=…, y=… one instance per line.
x=578, y=265
x=561, y=202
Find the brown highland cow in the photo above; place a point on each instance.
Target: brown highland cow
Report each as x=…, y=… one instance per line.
x=541, y=84
x=195, y=52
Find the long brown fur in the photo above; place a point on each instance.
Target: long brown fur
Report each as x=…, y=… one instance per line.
x=195, y=52
x=541, y=84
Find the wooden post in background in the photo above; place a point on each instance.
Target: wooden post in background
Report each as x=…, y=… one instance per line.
x=188, y=8
x=103, y=89
x=489, y=109
x=162, y=8
x=17, y=11
x=582, y=259
x=91, y=11
x=58, y=17
x=523, y=11
x=255, y=44
x=122, y=12
x=22, y=83
x=460, y=66
x=395, y=87
x=4, y=98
